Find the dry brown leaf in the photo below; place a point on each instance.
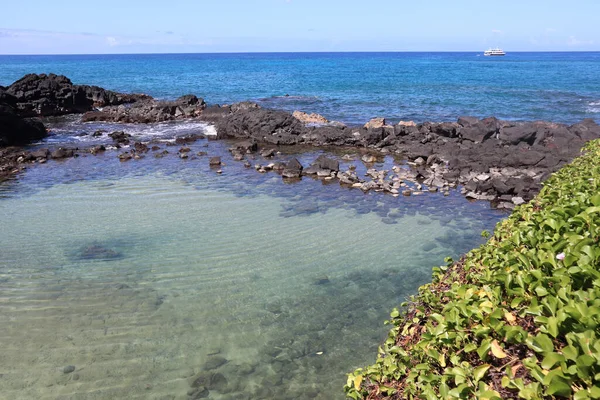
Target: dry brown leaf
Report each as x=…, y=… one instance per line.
x=497, y=350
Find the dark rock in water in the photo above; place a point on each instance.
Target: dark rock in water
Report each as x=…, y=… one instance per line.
x=293, y=169
x=429, y=246
x=214, y=363
x=326, y=163
x=14, y=129
x=215, y=113
x=68, y=369
x=120, y=137
x=125, y=156
x=247, y=146
x=140, y=147
x=389, y=221
x=214, y=161
x=97, y=149
x=44, y=95
x=189, y=99
x=188, y=139
x=61, y=153
x=210, y=380
x=246, y=369
x=324, y=280
x=267, y=153
x=98, y=252
x=272, y=380
x=149, y=110
x=218, y=382
x=198, y=393
x=40, y=154
x=276, y=127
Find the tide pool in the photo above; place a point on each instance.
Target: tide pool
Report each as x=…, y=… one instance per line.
x=161, y=279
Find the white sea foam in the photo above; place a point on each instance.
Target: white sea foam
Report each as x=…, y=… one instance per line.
x=593, y=107
x=82, y=132
x=210, y=130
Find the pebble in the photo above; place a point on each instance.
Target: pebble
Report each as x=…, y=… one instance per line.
x=68, y=369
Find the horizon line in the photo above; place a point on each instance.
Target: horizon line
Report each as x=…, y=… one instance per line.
x=295, y=52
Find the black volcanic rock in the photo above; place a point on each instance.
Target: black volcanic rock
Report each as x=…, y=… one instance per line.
x=275, y=127
x=15, y=130
x=149, y=110
x=45, y=95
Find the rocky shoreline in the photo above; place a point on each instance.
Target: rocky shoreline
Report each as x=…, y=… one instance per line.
x=499, y=161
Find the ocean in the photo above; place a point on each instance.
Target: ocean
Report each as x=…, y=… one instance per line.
x=160, y=278
x=351, y=87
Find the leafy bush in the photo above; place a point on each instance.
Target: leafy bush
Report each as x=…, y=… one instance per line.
x=516, y=318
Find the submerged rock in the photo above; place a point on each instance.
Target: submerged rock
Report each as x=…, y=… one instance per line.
x=214, y=362
x=68, y=369
x=98, y=252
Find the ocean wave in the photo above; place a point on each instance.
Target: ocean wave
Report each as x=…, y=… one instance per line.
x=593, y=107
x=83, y=132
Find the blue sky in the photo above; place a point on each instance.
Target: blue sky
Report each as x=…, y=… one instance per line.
x=149, y=26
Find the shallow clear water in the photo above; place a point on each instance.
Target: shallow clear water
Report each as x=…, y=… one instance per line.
x=351, y=87
x=144, y=274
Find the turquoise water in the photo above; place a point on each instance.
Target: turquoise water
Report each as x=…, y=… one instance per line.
x=157, y=277
x=265, y=290
x=351, y=87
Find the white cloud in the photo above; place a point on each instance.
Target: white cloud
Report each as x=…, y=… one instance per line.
x=112, y=41
x=574, y=42
x=498, y=31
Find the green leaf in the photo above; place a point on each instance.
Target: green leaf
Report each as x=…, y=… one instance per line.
x=552, y=326
x=551, y=359
x=581, y=395
x=542, y=343
x=559, y=387
x=570, y=352
x=479, y=372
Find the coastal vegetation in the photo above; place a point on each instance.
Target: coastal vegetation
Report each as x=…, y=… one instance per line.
x=516, y=318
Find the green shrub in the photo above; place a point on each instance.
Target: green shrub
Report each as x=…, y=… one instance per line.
x=516, y=318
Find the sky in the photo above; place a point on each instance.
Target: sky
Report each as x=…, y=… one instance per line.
x=201, y=26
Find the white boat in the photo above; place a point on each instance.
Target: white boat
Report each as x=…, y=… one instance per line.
x=494, y=52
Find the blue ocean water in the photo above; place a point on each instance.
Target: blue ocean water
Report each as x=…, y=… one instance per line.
x=351, y=87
